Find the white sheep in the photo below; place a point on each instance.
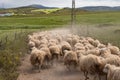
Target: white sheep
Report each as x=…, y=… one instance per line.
x=65, y=46
x=48, y=55
x=89, y=64
x=31, y=44
x=55, y=52
x=105, y=52
x=70, y=58
x=72, y=40
x=37, y=57
x=94, y=51
x=114, y=49
x=112, y=59
x=113, y=72
x=101, y=46
x=88, y=46
x=53, y=41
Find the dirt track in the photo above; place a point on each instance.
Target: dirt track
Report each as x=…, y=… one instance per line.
x=57, y=72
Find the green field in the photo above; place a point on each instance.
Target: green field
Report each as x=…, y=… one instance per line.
x=86, y=18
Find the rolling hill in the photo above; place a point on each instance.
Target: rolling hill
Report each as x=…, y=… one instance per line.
x=40, y=6
x=101, y=8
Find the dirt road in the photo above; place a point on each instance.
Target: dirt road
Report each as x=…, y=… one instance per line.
x=57, y=72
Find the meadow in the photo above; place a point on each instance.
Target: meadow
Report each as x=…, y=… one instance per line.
x=47, y=11
x=104, y=26
x=112, y=18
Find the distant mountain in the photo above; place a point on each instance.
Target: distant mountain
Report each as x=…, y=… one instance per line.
x=39, y=6
x=101, y=8
x=1, y=8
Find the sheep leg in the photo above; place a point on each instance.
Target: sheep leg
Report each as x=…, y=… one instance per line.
x=52, y=60
x=106, y=77
x=68, y=67
x=57, y=56
x=46, y=63
x=85, y=74
x=99, y=77
x=61, y=53
x=39, y=67
x=75, y=64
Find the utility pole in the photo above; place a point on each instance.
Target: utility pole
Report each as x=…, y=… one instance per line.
x=73, y=14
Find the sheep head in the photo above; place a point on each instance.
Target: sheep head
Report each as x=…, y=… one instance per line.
x=104, y=51
x=106, y=68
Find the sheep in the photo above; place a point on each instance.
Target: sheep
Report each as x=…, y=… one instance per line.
x=90, y=40
x=101, y=46
x=42, y=45
x=79, y=46
x=80, y=52
x=29, y=37
x=54, y=41
x=51, y=44
x=47, y=53
x=105, y=52
x=112, y=59
x=65, y=46
x=37, y=57
x=114, y=49
x=43, y=41
x=88, y=46
x=31, y=44
x=55, y=52
x=36, y=41
x=96, y=43
x=89, y=64
x=59, y=38
x=113, y=72
x=94, y=51
x=72, y=40
x=70, y=58
x=93, y=42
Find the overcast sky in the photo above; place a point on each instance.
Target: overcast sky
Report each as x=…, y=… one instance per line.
x=58, y=3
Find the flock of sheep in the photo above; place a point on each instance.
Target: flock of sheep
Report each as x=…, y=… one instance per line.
x=85, y=53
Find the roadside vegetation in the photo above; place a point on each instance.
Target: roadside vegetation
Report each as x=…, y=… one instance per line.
x=12, y=48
